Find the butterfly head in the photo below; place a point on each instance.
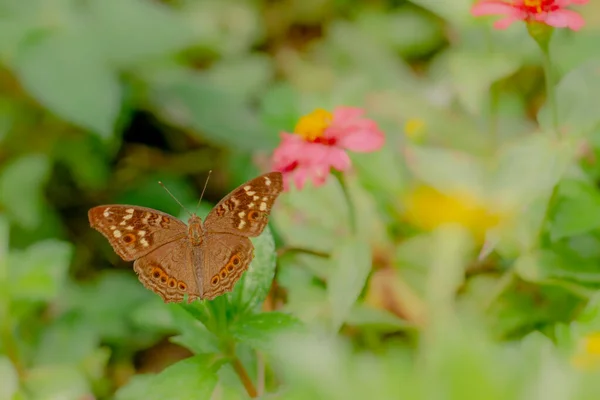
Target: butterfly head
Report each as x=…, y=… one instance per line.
x=195, y=230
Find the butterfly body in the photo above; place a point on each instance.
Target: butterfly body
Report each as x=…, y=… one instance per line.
x=202, y=259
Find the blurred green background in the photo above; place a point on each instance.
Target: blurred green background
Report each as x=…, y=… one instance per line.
x=100, y=99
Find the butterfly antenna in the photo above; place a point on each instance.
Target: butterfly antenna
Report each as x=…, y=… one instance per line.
x=202, y=194
x=174, y=198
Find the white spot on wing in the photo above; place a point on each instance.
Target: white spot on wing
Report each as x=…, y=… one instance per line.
x=242, y=214
x=129, y=210
x=117, y=234
x=128, y=216
x=241, y=225
x=106, y=213
x=142, y=233
x=263, y=206
x=144, y=242
x=267, y=181
x=250, y=193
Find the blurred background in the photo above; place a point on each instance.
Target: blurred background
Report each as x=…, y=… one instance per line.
x=100, y=99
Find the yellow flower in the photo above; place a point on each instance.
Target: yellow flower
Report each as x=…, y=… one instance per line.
x=414, y=129
x=427, y=209
x=313, y=125
x=588, y=352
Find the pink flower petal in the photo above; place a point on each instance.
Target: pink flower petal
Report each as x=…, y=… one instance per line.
x=565, y=19
x=491, y=8
x=353, y=132
x=506, y=22
x=299, y=160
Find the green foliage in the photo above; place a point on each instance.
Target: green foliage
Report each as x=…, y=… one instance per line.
x=483, y=285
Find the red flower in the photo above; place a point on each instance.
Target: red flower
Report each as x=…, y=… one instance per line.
x=319, y=143
x=549, y=12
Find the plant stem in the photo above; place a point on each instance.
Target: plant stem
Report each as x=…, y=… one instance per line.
x=351, y=207
x=550, y=92
x=241, y=371
x=285, y=250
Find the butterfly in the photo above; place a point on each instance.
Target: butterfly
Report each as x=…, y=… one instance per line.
x=203, y=259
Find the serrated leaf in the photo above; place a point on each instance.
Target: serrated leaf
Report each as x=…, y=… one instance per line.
x=353, y=264
x=65, y=72
x=21, y=187
x=249, y=293
x=260, y=330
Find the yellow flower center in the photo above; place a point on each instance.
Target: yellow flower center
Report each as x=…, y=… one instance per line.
x=587, y=357
x=427, y=209
x=535, y=4
x=313, y=125
x=414, y=129
x=592, y=344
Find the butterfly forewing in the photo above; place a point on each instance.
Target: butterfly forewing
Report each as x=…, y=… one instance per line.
x=245, y=211
x=135, y=231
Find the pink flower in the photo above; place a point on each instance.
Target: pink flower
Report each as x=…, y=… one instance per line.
x=319, y=143
x=549, y=12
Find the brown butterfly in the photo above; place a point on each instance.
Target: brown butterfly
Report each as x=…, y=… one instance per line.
x=202, y=259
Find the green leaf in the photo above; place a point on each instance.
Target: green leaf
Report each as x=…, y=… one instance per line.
x=192, y=378
x=446, y=169
x=193, y=101
x=260, y=330
x=65, y=72
x=577, y=210
x=353, y=264
x=56, y=382
x=194, y=334
x=67, y=341
x=134, y=31
x=577, y=95
x=456, y=12
x=39, y=273
x=473, y=74
x=382, y=320
x=21, y=188
x=313, y=218
x=10, y=379
x=529, y=168
x=108, y=306
x=249, y=293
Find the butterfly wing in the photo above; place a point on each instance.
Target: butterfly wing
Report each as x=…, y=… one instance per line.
x=169, y=271
x=245, y=211
x=135, y=231
x=223, y=258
